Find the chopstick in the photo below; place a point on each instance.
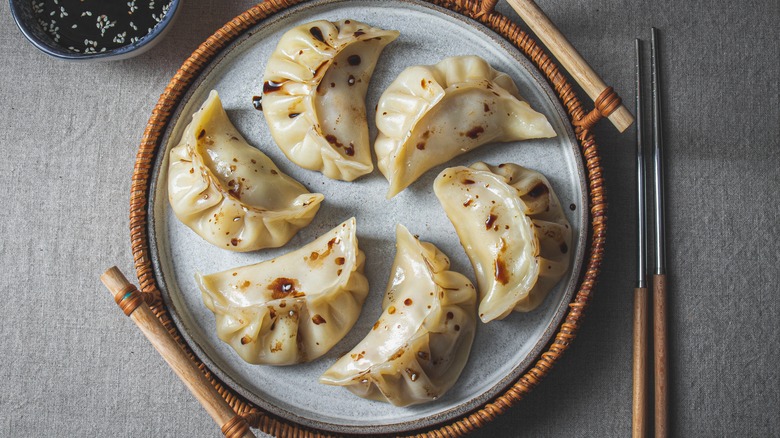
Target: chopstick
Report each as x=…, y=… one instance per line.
x=660, y=347
x=568, y=56
x=639, y=405
x=130, y=301
x=659, y=277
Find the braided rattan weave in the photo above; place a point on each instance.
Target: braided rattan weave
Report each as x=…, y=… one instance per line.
x=481, y=11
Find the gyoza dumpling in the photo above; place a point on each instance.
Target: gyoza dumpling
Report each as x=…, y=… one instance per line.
x=229, y=192
x=433, y=113
x=314, y=92
x=512, y=227
x=293, y=308
x=419, y=346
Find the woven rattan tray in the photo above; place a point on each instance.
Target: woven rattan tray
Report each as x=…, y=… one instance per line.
x=456, y=421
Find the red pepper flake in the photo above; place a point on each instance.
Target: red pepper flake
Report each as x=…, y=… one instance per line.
x=474, y=132
x=501, y=271
x=490, y=220
x=317, y=319
x=357, y=356
x=397, y=354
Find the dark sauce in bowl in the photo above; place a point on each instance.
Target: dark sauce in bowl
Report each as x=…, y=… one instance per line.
x=96, y=26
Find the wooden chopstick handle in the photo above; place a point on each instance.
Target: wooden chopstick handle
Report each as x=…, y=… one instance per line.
x=661, y=359
x=132, y=304
x=641, y=321
x=568, y=56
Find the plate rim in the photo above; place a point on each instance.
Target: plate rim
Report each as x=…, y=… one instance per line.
x=564, y=323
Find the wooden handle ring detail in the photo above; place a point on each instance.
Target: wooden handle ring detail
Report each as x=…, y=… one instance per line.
x=236, y=427
x=486, y=7
x=129, y=299
x=604, y=105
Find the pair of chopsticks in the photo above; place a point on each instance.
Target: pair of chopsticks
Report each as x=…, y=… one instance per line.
x=659, y=276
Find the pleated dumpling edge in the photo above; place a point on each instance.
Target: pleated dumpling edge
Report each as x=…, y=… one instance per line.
x=432, y=113
x=229, y=192
x=418, y=347
x=513, y=230
x=293, y=308
x=314, y=91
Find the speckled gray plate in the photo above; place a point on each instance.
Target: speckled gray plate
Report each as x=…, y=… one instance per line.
x=502, y=350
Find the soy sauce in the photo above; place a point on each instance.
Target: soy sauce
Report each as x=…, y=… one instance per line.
x=94, y=26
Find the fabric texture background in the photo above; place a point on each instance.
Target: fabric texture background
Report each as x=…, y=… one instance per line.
x=71, y=365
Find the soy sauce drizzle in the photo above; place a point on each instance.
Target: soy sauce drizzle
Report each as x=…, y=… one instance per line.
x=317, y=33
x=538, y=190
x=257, y=102
x=474, y=132
x=271, y=86
x=490, y=220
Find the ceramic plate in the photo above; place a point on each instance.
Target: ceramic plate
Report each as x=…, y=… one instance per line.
x=502, y=350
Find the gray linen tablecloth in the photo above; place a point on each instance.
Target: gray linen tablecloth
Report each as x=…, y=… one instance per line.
x=71, y=365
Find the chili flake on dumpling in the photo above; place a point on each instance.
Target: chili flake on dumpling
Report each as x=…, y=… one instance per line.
x=293, y=308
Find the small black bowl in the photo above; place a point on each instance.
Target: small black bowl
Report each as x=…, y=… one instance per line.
x=25, y=18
